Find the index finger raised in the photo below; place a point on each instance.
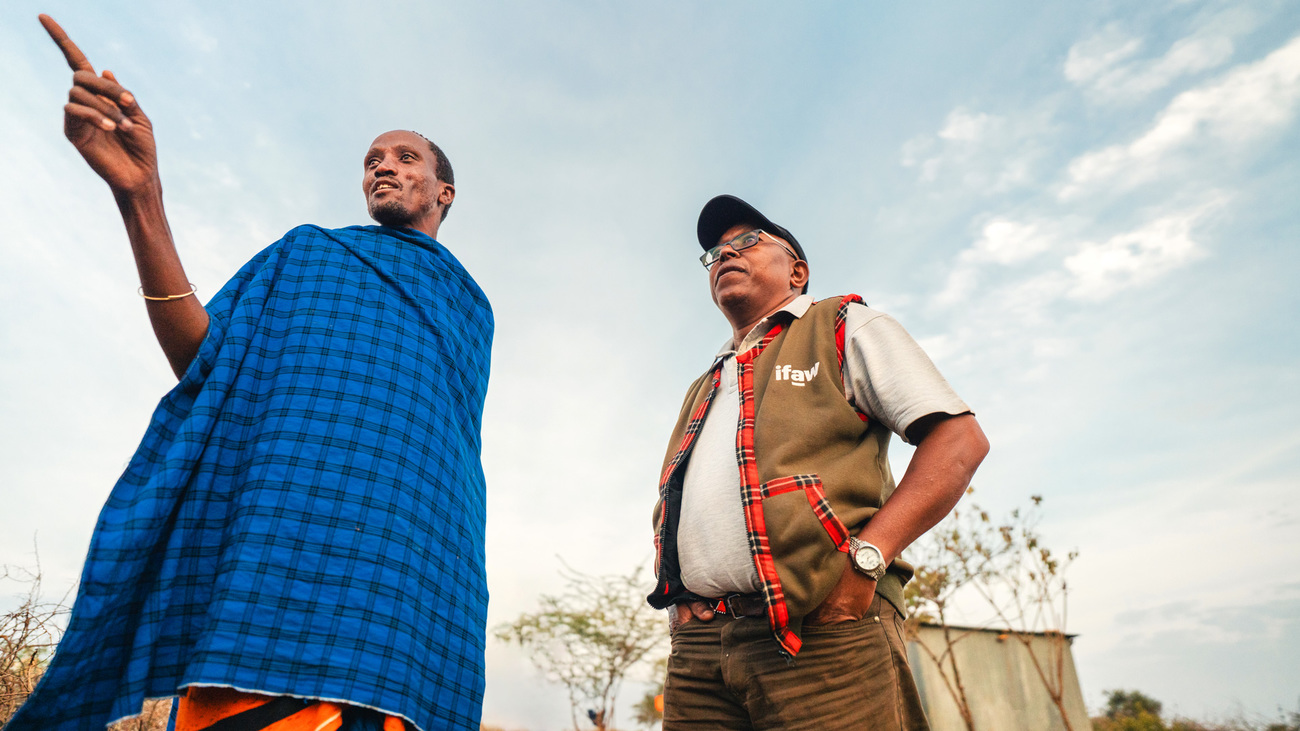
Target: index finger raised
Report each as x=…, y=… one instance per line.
x=76, y=59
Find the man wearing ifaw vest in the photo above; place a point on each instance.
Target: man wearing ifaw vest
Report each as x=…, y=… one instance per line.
x=779, y=525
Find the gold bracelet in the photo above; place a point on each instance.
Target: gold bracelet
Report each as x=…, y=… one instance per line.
x=169, y=297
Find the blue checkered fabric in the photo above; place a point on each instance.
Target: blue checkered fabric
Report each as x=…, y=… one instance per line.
x=305, y=515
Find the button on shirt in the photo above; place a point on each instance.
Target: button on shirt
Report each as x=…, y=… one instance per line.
x=886, y=376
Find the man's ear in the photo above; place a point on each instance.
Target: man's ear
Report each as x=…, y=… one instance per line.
x=799, y=275
x=446, y=195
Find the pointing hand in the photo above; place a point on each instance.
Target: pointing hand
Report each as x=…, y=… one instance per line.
x=104, y=122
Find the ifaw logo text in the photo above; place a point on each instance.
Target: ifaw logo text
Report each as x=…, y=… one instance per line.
x=795, y=376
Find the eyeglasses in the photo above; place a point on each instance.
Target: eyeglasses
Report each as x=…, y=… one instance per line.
x=739, y=244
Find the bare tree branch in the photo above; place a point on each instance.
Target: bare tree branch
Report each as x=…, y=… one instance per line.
x=590, y=637
x=29, y=635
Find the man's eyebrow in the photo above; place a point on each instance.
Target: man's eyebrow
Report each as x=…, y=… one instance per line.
x=400, y=148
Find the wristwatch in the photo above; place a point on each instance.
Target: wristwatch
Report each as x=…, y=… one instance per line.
x=867, y=559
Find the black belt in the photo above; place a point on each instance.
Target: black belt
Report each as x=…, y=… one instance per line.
x=740, y=605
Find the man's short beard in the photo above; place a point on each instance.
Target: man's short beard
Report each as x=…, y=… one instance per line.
x=391, y=214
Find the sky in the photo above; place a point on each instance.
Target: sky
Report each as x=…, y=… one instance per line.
x=1079, y=209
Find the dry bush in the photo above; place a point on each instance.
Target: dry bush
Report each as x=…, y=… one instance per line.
x=153, y=718
x=28, y=635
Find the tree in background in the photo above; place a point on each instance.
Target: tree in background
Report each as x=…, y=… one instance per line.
x=1121, y=703
x=1132, y=710
x=1027, y=590
x=590, y=638
x=1007, y=566
x=28, y=636
x=948, y=558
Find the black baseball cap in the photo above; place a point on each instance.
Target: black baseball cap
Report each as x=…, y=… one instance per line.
x=726, y=211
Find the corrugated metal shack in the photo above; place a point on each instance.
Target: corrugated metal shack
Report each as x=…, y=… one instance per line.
x=1003, y=689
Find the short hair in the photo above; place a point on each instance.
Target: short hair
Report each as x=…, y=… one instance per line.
x=442, y=167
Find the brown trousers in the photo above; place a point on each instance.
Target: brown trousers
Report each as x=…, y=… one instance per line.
x=728, y=674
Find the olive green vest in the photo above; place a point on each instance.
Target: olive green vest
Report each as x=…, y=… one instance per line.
x=813, y=469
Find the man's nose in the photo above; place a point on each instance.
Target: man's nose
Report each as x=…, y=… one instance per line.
x=726, y=253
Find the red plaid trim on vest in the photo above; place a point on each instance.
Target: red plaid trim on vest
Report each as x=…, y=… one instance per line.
x=692, y=429
x=751, y=492
x=840, y=317
x=688, y=440
x=812, y=487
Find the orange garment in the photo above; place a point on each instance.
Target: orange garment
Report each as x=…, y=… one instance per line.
x=202, y=706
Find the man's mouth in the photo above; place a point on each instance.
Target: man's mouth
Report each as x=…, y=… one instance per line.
x=383, y=185
x=728, y=269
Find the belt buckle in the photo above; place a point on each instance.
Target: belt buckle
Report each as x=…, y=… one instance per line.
x=724, y=605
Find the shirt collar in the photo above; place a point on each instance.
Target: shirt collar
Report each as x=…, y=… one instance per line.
x=795, y=309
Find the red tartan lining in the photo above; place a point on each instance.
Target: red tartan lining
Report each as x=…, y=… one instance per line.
x=782, y=485
x=812, y=488
x=840, y=316
x=778, y=615
x=692, y=430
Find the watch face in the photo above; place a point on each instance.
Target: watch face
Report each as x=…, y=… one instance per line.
x=867, y=559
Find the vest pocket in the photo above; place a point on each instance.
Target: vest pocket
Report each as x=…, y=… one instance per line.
x=804, y=540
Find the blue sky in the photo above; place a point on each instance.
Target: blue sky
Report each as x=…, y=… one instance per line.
x=1086, y=212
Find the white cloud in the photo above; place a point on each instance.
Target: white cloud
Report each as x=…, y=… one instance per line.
x=967, y=127
x=1002, y=241
x=1008, y=242
x=1103, y=74
x=984, y=152
x=1086, y=270
x=1243, y=104
x=1109, y=65
x=1134, y=257
x=1097, y=57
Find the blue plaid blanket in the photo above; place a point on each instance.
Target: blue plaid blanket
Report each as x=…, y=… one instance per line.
x=305, y=515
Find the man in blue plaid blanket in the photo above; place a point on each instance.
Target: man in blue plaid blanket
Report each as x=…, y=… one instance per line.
x=298, y=541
